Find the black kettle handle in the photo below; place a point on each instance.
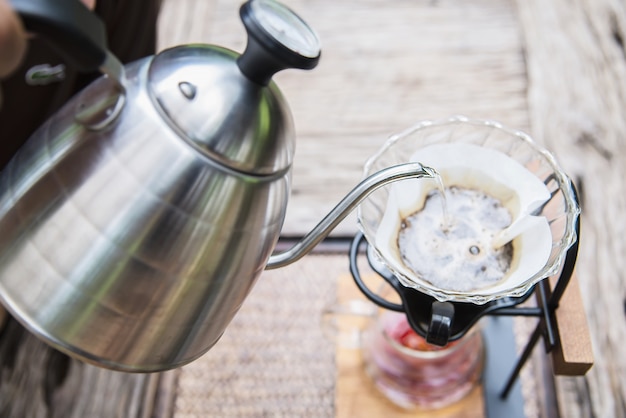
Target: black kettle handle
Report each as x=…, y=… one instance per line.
x=70, y=27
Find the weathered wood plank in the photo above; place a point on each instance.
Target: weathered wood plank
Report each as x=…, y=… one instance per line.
x=577, y=95
x=37, y=381
x=386, y=65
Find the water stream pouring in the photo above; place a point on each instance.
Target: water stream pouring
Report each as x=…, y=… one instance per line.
x=136, y=220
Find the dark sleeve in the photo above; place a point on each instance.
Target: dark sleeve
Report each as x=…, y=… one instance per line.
x=131, y=27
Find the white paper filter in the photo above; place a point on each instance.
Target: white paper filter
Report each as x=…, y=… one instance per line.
x=487, y=170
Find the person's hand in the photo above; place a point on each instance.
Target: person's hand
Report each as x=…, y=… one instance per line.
x=12, y=39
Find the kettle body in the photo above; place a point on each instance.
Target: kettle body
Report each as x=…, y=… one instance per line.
x=166, y=239
x=136, y=220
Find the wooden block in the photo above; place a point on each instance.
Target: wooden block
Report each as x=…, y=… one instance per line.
x=573, y=355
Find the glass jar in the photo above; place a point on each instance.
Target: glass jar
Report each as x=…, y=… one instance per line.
x=414, y=374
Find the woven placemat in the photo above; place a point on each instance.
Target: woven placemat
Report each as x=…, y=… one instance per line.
x=273, y=359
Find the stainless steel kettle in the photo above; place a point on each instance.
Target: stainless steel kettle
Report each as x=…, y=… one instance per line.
x=136, y=220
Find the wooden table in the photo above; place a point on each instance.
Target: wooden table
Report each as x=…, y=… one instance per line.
x=554, y=68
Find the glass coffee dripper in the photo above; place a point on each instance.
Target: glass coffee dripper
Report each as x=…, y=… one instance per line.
x=476, y=155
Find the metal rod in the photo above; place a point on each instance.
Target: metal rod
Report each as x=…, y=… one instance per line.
x=544, y=288
x=344, y=207
x=522, y=360
x=113, y=68
x=517, y=312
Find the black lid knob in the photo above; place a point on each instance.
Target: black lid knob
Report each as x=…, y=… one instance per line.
x=277, y=39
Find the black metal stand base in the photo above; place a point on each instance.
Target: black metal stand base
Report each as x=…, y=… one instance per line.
x=502, y=389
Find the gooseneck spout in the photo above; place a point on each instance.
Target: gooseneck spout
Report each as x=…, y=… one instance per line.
x=345, y=206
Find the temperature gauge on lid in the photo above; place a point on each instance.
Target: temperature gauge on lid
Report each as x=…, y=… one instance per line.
x=277, y=39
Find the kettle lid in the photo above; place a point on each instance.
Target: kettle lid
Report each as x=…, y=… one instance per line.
x=225, y=103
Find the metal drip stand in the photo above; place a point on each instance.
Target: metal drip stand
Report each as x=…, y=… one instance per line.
x=502, y=393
